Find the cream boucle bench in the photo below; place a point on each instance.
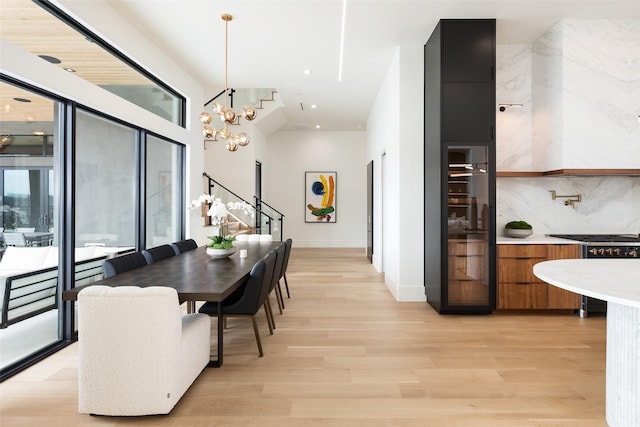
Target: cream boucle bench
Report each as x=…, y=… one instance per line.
x=137, y=353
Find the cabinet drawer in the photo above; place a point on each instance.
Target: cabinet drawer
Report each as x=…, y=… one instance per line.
x=560, y=298
x=522, y=251
x=467, y=248
x=467, y=268
x=468, y=292
x=522, y=296
x=517, y=270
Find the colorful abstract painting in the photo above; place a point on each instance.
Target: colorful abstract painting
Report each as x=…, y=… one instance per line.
x=320, y=196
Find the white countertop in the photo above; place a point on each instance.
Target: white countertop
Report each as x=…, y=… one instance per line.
x=535, y=239
x=614, y=280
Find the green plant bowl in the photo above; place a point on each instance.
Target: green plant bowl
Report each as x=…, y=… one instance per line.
x=518, y=233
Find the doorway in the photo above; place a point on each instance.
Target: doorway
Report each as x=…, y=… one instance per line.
x=258, y=197
x=27, y=195
x=370, y=211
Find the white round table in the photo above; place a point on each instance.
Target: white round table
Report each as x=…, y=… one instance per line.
x=616, y=281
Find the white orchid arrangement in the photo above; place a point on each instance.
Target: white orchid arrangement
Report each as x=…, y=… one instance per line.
x=218, y=211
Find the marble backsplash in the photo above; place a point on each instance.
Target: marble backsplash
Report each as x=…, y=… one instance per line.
x=609, y=204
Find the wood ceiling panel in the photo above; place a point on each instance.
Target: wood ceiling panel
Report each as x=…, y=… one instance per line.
x=27, y=25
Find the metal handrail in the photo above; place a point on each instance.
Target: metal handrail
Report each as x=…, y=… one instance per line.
x=212, y=183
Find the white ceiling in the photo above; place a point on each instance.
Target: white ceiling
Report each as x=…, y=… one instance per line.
x=272, y=42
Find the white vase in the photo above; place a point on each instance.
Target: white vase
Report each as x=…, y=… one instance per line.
x=220, y=253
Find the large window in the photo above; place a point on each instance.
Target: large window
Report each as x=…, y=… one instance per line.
x=163, y=190
x=107, y=216
x=72, y=180
x=28, y=178
x=106, y=183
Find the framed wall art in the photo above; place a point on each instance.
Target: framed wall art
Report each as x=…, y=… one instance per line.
x=320, y=197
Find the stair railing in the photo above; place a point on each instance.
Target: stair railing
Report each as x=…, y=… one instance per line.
x=261, y=215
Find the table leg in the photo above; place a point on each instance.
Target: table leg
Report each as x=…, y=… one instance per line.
x=218, y=363
x=623, y=365
x=191, y=307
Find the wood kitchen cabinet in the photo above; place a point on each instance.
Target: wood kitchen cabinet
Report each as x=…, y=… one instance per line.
x=519, y=288
x=560, y=298
x=467, y=265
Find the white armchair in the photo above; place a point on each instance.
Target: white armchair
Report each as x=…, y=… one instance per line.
x=138, y=354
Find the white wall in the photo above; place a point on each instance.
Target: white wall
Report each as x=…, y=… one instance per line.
x=411, y=184
x=289, y=154
x=395, y=127
x=383, y=133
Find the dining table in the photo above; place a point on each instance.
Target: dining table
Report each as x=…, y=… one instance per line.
x=616, y=281
x=196, y=276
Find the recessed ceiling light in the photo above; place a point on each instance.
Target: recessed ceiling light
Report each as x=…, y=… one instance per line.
x=317, y=126
x=22, y=99
x=307, y=72
x=341, y=57
x=313, y=105
x=51, y=59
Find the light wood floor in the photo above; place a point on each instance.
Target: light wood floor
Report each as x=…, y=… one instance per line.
x=345, y=353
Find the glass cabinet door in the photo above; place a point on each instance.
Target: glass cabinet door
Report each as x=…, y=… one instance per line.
x=467, y=226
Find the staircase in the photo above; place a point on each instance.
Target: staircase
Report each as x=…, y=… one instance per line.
x=244, y=217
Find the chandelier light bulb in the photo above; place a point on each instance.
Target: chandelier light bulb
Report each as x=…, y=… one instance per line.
x=228, y=115
x=208, y=131
x=232, y=146
x=248, y=112
x=224, y=132
x=243, y=139
x=206, y=118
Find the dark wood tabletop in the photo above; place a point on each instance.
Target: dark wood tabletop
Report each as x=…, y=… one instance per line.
x=196, y=276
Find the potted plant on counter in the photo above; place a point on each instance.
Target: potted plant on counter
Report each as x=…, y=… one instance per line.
x=519, y=229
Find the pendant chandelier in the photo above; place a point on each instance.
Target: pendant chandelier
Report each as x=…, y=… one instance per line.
x=225, y=113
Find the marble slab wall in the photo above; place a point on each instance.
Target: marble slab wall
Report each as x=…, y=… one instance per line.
x=579, y=84
x=547, y=100
x=586, y=94
x=513, y=126
x=609, y=204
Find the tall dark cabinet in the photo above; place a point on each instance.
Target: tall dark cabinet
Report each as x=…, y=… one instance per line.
x=459, y=150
